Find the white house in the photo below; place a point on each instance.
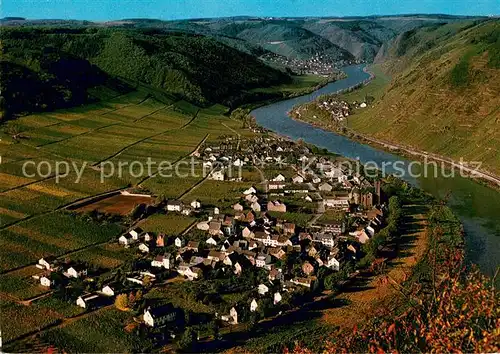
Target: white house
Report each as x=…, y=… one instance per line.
x=256, y=207
x=108, y=291
x=262, y=289
x=279, y=178
x=135, y=233
x=298, y=179
x=73, y=272
x=195, y=204
x=45, y=281
x=277, y=297
x=44, y=264
x=307, y=198
x=148, y=237
x=178, y=242
x=126, y=240
x=217, y=175
x=144, y=248
x=250, y=190
x=341, y=204
x=211, y=241
x=232, y=318
x=333, y=263
x=253, y=306
x=158, y=316
x=237, y=268
x=89, y=301
x=162, y=261
x=262, y=260
x=174, y=205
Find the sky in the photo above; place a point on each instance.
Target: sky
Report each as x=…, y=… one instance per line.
x=104, y=10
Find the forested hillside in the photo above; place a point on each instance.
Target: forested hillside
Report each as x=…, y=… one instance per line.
x=46, y=68
x=444, y=93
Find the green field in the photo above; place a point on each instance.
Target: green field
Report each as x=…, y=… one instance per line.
x=169, y=224
x=100, y=332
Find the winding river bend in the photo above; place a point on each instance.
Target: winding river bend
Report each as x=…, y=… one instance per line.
x=477, y=206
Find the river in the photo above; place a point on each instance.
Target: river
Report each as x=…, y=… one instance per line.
x=477, y=206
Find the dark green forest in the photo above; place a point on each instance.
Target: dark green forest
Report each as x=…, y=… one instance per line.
x=48, y=68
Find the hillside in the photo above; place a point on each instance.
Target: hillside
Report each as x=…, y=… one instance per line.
x=443, y=96
x=199, y=69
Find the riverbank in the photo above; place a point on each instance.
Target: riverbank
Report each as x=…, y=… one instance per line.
x=479, y=175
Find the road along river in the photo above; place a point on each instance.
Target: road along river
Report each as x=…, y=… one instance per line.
x=477, y=206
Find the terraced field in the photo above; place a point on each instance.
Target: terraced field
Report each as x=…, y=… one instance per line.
x=93, y=140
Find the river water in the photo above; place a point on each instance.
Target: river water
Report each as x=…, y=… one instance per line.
x=477, y=206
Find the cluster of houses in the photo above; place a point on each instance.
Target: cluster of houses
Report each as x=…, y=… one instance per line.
x=319, y=64
x=153, y=316
x=337, y=110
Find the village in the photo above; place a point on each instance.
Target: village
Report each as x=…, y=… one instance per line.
x=299, y=228
x=319, y=64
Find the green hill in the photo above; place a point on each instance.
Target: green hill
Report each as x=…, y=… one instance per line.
x=46, y=68
x=443, y=96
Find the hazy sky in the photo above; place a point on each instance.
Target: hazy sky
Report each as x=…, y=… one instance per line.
x=174, y=9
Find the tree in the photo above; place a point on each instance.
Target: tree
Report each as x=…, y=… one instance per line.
x=121, y=302
x=146, y=281
x=188, y=339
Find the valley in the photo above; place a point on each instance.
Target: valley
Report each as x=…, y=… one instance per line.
x=156, y=194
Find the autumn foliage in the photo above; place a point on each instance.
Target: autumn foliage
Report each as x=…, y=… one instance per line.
x=451, y=309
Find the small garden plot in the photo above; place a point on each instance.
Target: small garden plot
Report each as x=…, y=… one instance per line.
x=170, y=224
x=251, y=175
x=220, y=193
x=18, y=319
x=273, y=170
x=170, y=187
x=92, y=147
x=13, y=254
x=331, y=216
x=186, y=107
x=54, y=133
x=8, y=181
x=178, y=294
x=127, y=131
x=36, y=121
x=298, y=219
x=22, y=288
x=107, y=256
x=36, y=198
x=101, y=332
x=51, y=234
x=62, y=307
x=89, y=183
x=140, y=110
x=117, y=204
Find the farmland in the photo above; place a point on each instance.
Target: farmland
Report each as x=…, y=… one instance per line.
x=93, y=140
x=169, y=224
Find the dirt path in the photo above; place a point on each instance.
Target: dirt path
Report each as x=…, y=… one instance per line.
x=368, y=295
